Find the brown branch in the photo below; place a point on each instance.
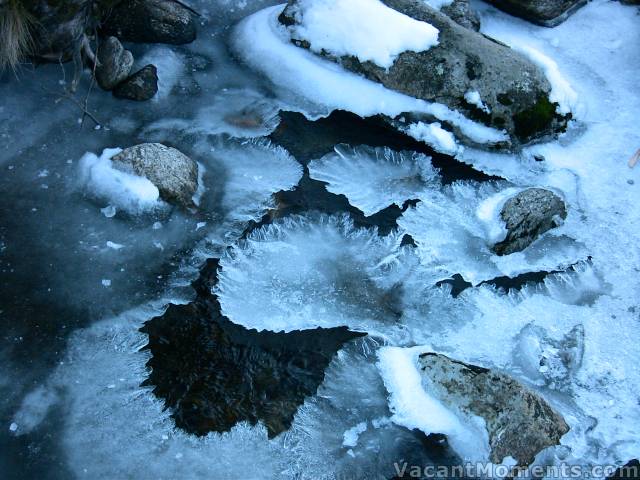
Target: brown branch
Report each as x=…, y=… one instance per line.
x=85, y=109
x=68, y=96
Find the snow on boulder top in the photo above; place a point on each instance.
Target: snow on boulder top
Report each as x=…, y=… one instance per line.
x=366, y=29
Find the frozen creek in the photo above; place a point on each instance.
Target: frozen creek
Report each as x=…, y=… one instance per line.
x=373, y=253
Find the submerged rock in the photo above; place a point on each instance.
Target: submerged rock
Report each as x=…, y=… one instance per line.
x=141, y=86
x=547, y=13
x=528, y=215
x=215, y=374
x=151, y=21
x=513, y=91
x=114, y=63
x=519, y=422
x=175, y=174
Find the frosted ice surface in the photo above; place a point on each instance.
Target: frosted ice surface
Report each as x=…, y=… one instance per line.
x=366, y=29
x=374, y=178
x=312, y=272
x=250, y=171
x=34, y=408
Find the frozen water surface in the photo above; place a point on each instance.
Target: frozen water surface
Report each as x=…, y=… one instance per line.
x=84, y=262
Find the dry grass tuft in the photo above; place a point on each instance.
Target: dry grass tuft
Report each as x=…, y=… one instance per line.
x=15, y=34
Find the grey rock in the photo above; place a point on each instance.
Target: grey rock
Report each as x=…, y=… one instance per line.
x=140, y=86
x=515, y=90
x=460, y=11
x=520, y=423
x=547, y=13
x=114, y=63
x=151, y=21
x=528, y=215
x=175, y=174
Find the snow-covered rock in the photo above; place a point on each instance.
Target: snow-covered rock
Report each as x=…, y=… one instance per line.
x=547, y=13
x=520, y=423
x=515, y=90
x=123, y=190
x=336, y=27
x=528, y=215
x=486, y=414
x=172, y=172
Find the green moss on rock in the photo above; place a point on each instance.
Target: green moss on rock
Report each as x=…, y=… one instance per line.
x=535, y=120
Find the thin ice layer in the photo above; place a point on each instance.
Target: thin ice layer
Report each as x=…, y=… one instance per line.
x=374, y=178
x=241, y=178
x=366, y=29
x=319, y=271
x=240, y=113
x=318, y=86
x=111, y=422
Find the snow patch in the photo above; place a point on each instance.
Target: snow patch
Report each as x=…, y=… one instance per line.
x=562, y=92
x=473, y=98
x=488, y=212
x=366, y=29
x=351, y=436
x=434, y=135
